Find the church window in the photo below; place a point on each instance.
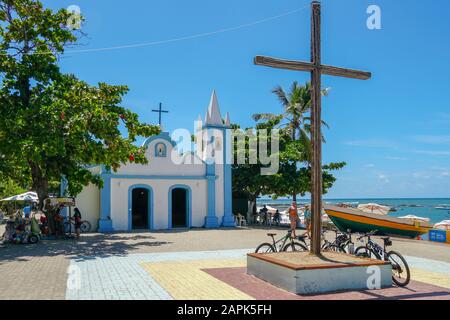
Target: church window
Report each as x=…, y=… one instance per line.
x=160, y=150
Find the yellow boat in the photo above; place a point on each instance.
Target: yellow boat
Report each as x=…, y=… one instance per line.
x=357, y=221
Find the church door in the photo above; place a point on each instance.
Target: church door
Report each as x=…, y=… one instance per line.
x=179, y=208
x=139, y=208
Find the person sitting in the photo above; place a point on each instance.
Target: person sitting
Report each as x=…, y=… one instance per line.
x=263, y=214
x=277, y=218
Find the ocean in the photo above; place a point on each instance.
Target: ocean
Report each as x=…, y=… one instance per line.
x=418, y=207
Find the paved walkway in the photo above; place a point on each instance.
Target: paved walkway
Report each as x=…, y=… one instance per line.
x=167, y=265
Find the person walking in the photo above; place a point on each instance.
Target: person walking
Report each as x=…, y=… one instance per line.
x=293, y=218
x=307, y=216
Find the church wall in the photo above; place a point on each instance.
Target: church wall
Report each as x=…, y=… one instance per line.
x=165, y=165
x=160, y=204
x=88, y=201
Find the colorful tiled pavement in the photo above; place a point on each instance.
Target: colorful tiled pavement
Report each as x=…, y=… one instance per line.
x=218, y=275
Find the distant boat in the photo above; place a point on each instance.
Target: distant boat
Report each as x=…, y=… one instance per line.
x=443, y=207
x=358, y=221
x=443, y=225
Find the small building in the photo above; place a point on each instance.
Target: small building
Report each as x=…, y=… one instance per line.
x=175, y=189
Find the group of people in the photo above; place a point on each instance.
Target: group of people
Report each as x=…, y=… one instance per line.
x=51, y=219
x=266, y=217
x=55, y=214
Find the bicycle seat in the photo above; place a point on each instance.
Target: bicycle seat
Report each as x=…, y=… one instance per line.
x=271, y=234
x=387, y=241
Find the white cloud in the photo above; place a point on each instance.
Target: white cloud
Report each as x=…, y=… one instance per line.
x=371, y=143
x=384, y=178
x=396, y=158
x=433, y=152
x=432, y=139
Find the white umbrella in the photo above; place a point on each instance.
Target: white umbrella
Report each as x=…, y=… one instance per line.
x=27, y=196
x=374, y=208
x=413, y=217
x=443, y=225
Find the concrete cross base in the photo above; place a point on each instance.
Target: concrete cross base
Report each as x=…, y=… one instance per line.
x=303, y=273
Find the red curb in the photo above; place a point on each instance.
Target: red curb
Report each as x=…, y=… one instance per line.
x=261, y=290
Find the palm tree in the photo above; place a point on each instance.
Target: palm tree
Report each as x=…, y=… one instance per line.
x=297, y=105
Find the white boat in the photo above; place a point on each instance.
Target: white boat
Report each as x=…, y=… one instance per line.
x=443, y=207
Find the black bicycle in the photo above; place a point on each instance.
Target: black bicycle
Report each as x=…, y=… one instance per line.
x=342, y=243
x=287, y=243
x=69, y=226
x=400, y=269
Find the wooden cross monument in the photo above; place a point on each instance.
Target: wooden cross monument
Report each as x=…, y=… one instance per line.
x=160, y=111
x=317, y=69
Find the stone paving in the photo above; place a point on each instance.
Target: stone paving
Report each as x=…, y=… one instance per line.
x=167, y=265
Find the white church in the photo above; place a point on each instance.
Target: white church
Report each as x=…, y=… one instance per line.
x=174, y=190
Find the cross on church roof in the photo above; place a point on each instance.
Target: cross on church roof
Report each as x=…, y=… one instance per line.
x=160, y=111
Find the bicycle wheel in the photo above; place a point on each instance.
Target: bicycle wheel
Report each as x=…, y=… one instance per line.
x=295, y=246
x=265, y=248
x=400, y=269
x=85, y=226
x=333, y=248
x=362, y=252
x=67, y=227
x=33, y=239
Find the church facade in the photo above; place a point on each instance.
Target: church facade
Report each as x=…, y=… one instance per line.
x=175, y=189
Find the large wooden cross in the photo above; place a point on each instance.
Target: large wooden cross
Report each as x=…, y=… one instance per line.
x=160, y=111
x=317, y=69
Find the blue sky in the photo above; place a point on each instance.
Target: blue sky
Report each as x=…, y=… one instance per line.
x=393, y=130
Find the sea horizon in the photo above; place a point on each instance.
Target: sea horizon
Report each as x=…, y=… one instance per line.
x=424, y=207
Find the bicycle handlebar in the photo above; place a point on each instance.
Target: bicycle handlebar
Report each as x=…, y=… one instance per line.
x=368, y=234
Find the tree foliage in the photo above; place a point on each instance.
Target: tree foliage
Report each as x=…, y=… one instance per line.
x=294, y=175
x=54, y=124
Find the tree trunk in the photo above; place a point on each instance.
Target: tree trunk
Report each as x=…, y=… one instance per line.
x=40, y=185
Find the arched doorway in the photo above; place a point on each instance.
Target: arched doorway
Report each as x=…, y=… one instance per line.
x=179, y=207
x=140, y=208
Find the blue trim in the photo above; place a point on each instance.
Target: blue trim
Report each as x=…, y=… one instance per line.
x=150, y=204
x=164, y=136
x=164, y=153
x=153, y=177
x=211, y=220
x=105, y=222
x=228, y=218
x=189, y=204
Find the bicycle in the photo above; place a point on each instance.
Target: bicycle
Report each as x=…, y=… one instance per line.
x=69, y=225
x=400, y=267
x=286, y=243
x=342, y=243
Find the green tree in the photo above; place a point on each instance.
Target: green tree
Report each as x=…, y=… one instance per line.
x=296, y=122
x=290, y=179
x=53, y=124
